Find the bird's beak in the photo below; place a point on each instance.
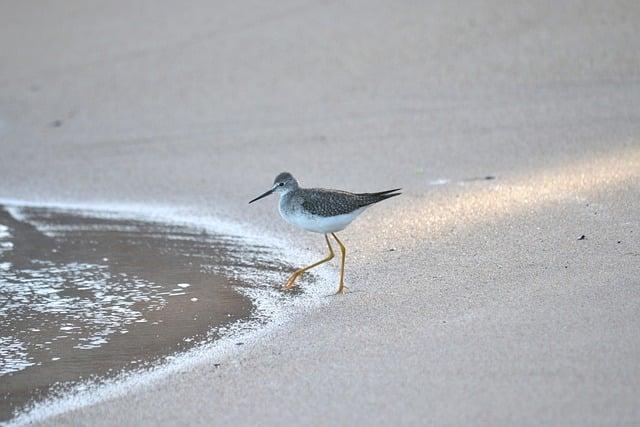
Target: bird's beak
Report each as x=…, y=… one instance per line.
x=263, y=195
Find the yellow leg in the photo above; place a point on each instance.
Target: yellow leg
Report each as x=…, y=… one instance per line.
x=290, y=283
x=342, y=289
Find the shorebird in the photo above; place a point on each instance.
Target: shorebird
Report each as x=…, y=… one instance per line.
x=321, y=211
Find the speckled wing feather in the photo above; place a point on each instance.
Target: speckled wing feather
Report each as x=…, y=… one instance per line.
x=321, y=202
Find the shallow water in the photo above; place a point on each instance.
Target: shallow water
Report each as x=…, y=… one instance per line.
x=89, y=295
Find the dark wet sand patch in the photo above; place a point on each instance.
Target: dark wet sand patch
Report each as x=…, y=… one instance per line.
x=85, y=296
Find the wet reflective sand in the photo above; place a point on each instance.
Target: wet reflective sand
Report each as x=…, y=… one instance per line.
x=85, y=295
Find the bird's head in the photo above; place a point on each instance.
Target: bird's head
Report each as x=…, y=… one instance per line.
x=283, y=183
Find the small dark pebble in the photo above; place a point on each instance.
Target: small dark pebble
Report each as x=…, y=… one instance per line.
x=583, y=237
x=566, y=266
x=239, y=343
x=56, y=123
x=392, y=249
x=216, y=364
x=619, y=241
x=480, y=178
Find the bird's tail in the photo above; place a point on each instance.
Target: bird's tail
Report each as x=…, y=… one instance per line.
x=371, y=198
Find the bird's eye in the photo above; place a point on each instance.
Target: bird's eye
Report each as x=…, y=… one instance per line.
x=281, y=184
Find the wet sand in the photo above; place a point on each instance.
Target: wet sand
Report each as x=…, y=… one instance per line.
x=88, y=295
x=473, y=302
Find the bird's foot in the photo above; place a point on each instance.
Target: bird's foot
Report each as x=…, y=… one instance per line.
x=342, y=290
x=291, y=283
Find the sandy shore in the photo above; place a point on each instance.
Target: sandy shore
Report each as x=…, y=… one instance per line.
x=474, y=301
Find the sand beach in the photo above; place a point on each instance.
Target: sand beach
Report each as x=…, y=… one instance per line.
x=512, y=127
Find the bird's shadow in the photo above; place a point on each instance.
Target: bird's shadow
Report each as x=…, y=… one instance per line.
x=299, y=290
x=293, y=291
x=346, y=294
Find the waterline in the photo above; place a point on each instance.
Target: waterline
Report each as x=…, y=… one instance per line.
x=255, y=281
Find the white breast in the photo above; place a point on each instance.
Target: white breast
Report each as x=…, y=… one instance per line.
x=320, y=224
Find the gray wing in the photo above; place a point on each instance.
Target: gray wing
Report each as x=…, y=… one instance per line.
x=323, y=202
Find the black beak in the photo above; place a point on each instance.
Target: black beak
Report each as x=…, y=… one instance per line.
x=263, y=195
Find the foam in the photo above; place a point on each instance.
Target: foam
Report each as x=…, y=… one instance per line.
x=272, y=308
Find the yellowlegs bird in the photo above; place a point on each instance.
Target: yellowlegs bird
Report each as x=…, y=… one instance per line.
x=321, y=211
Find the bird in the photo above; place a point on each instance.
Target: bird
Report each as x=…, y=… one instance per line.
x=323, y=211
